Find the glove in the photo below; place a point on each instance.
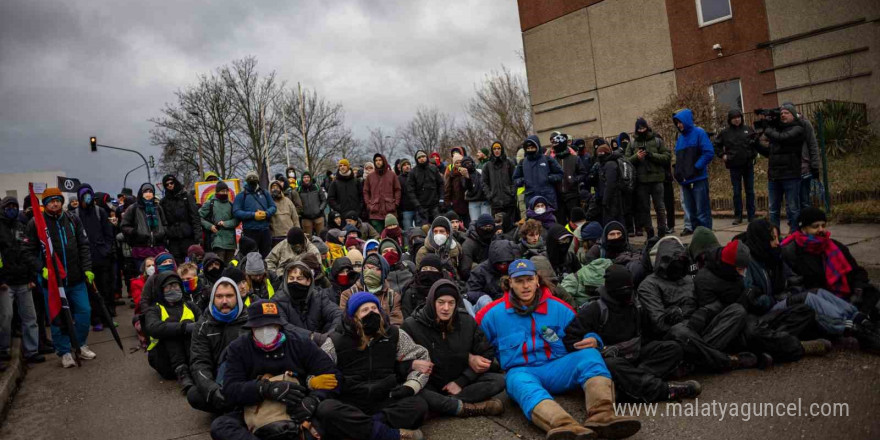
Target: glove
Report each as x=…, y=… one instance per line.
x=402, y=391
x=304, y=410
x=45, y=273
x=673, y=316
x=814, y=172
x=189, y=327
x=90, y=276
x=284, y=392
x=260, y=215
x=323, y=382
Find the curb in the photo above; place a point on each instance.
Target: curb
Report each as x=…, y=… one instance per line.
x=11, y=378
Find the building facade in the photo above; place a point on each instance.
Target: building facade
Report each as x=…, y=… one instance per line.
x=594, y=66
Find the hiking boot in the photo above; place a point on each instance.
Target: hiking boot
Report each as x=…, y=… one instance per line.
x=816, y=347
x=599, y=391
x=683, y=390
x=743, y=360
x=35, y=358
x=765, y=361
x=846, y=343
x=67, y=360
x=686, y=232
x=491, y=407
x=737, y=221
x=557, y=423
x=411, y=434
x=183, y=378
x=86, y=353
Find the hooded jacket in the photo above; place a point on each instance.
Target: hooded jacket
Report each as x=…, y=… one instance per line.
x=332, y=293
x=214, y=211
x=661, y=296
x=449, y=345
x=573, y=172
x=651, y=169
x=693, y=150
x=424, y=186
x=449, y=252
x=17, y=266
x=171, y=328
x=210, y=339
x=737, y=143
x=454, y=192
x=314, y=201
x=390, y=299
x=484, y=279
x=623, y=322
x=69, y=241
x=346, y=193
x=97, y=227
x=539, y=174
x=134, y=223
x=246, y=205
x=473, y=251
x=285, y=216
x=315, y=313
x=399, y=274
x=381, y=191
x=607, y=182
x=282, y=254
x=583, y=285
x=473, y=185
x=181, y=212
x=498, y=187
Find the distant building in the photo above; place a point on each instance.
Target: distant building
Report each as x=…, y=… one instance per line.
x=594, y=66
x=16, y=184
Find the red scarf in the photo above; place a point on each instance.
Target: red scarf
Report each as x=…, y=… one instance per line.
x=836, y=266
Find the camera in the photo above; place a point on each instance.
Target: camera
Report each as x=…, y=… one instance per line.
x=771, y=117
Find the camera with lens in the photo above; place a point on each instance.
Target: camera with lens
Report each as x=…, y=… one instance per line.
x=771, y=117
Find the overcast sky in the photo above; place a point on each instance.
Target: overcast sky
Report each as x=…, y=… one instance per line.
x=72, y=69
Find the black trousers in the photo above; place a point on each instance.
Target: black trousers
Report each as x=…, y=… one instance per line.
x=42, y=321
x=169, y=354
x=426, y=215
x=708, y=349
x=669, y=201
x=341, y=420
x=646, y=192
x=563, y=211
x=104, y=283
x=629, y=203
x=484, y=388
x=263, y=237
x=777, y=333
x=197, y=400
x=178, y=247
x=230, y=426
x=643, y=379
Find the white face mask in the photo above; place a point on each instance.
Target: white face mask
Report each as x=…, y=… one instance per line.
x=266, y=335
x=151, y=270
x=439, y=239
x=540, y=211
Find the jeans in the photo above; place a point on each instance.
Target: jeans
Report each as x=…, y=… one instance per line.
x=695, y=198
x=21, y=294
x=790, y=189
x=806, y=190
x=738, y=177
x=78, y=298
x=477, y=208
x=407, y=218
x=472, y=309
x=688, y=224
x=646, y=192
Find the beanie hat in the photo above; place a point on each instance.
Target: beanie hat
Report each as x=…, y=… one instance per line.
x=736, y=254
x=388, y=243
x=195, y=249
x=485, y=220
x=352, y=215
x=599, y=141
x=811, y=215
x=353, y=241
x=623, y=137
x=404, y=162
x=280, y=177
x=703, y=240
x=251, y=175
x=420, y=153
x=220, y=186
x=431, y=260
x=254, y=264
x=306, y=173
x=391, y=220
x=485, y=151
x=50, y=193
x=351, y=228
x=791, y=108
x=344, y=162
x=641, y=122
x=163, y=257
x=452, y=215
x=578, y=214
x=296, y=236
x=234, y=274
x=356, y=257
x=359, y=299
x=617, y=277
x=467, y=160
x=591, y=231
x=604, y=148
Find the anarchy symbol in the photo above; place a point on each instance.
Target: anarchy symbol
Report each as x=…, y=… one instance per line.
x=68, y=185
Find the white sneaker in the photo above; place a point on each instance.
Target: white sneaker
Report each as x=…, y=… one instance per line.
x=85, y=353
x=67, y=361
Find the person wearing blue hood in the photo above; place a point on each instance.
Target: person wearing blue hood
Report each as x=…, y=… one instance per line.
x=693, y=153
x=537, y=172
x=255, y=208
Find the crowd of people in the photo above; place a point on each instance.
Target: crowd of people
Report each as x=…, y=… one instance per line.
x=361, y=305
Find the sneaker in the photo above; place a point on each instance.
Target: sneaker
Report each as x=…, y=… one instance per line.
x=737, y=221
x=98, y=328
x=686, y=232
x=35, y=358
x=684, y=390
x=85, y=353
x=67, y=361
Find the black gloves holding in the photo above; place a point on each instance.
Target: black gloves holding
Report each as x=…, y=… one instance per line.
x=285, y=392
x=305, y=409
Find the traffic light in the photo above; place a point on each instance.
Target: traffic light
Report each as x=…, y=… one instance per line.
x=93, y=141
x=152, y=162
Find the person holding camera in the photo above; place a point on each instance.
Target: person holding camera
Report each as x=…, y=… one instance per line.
x=736, y=144
x=785, y=135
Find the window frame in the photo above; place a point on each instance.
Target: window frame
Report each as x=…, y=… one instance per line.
x=703, y=23
x=741, y=96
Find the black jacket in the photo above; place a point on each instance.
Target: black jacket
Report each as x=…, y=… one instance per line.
x=346, y=194
x=134, y=224
x=406, y=203
x=181, y=213
x=370, y=374
x=498, y=181
x=315, y=313
x=73, y=251
x=473, y=251
x=17, y=267
x=98, y=230
x=811, y=267
x=171, y=328
x=784, y=151
x=622, y=322
x=449, y=345
x=736, y=142
x=424, y=186
x=573, y=174
x=485, y=280
x=209, y=342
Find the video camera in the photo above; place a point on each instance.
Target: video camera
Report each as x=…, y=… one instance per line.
x=771, y=117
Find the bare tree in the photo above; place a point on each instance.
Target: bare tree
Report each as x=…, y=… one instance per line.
x=501, y=109
x=472, y=136
x=430, y=130
x=383, y=142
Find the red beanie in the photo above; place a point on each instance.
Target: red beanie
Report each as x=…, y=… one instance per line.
x=736, y=254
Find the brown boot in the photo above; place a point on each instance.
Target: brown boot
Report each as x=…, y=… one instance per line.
x=411, y=434
x=599, y=392
x=816, y=347
x=491, y=407
x=558, y=424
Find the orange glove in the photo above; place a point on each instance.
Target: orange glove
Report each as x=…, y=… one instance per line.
x=323, y=382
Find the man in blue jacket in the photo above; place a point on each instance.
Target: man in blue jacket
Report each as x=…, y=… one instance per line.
x=537, y=172
x=254, y=208
x=693, y=153
x=526, y=326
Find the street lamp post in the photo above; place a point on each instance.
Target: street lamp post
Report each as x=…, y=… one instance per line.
x=94, y=144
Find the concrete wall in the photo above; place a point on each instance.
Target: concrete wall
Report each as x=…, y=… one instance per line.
x=623, y=103
x=745, y=66
x=533, y=13
x=18, y=182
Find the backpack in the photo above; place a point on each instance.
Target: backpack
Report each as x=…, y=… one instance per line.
x=626, y=176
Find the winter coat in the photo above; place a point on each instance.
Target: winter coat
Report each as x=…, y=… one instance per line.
x=17, y=268
x=424, y=186
x=450, y=345
x=215, y=211
x=473, y=188
x=784, y=151
x=660, y=296
x=346, y=194
x=285, y=217
x=381, y=192
x=717, y=282
x=246, y=205
x=454, y=193
x=810, y=161
x=737, y=143
x=134, y=224
x=622, y=322
x=584, y=284
x=209, y=341
x=314, y=201
x=406, y=202
x=69, y=242
x=473, y=252
x=173, y=327
x=449, y=253
x=497, y=182
x=573, y=174
x=811, y=267
x=651, y=169
x=608, y=182
x=390, y=299
x=315, y=313
x=97, y=227
x=693, y=150
x=181, y=214
x=282, y=255
x=539, y=174
x=484, y=279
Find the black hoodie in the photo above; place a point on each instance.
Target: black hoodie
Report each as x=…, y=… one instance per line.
x=484, y=279
x=181, y=212
x=498, y=187
x=97, y=226
x=315, y=313
x=171, y=328
x=17, y=268
x=737, y=143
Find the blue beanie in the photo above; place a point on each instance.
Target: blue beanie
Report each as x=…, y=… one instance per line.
x=359, y=299
x=485, y=220
x=591, y=231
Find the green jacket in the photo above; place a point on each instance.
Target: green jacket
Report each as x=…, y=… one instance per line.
x=652, y=168
x=222, y=211
x=583, y=284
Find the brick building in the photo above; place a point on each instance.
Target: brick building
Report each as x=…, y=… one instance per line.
x=594, y=66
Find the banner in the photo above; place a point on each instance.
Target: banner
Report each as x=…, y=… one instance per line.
x=39, y=188
x=68, y=184
x=205, y=190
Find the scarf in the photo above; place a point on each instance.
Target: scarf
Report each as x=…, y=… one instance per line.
x=152, y=214
x=547, y=219
x=524, y=310
x=274, y=345
x=224, y=317
x=836, y=266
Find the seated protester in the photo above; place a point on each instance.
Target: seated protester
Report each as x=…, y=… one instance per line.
x=415, y=239
x=287, y=251
x=335, y=245
x=583, y=286
x=527, y=326
x=212, y=269
x=639, y=367
x=357, y=260
x=673, y=314
x=614, y=245
x=304, y=305
x=505, y=226
x=352, y=239
x=825, y=263
x=367, y=232
x=374, y=279
x=702, y=243
x=246, y=245
x=452, y=337
x=148, y=268
x=321, y=281
x=164, y=263
x=476, y=245
x=373, y=404
x=370, y=247
x=169, y=323
x=439, y=243
x=261, y=284
x=459, y=233
x=193, y=289
x=583, y=240
x=235, y=274
x=484, y=285
x=221, y=324
x=558, y=241
x=195, y=254
x=269, y=365
x=541, y=211
x=531, y=239
x=321, y=246
x=576, y=219
x=393, y=231
x=415, y=293
x=400, y=271
x=342, y=277
x=545, y=270
x=335, y=221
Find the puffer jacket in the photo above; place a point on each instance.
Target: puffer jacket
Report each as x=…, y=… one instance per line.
x=315, y=313
x=346, y=193
x=484, y=279
x=381, y=191
x=652, y=168
x=314, y=201
x=473, y=187
x=134, y=223
x=473, y=252
x=785, y=150
x=497, y=179
x=282, y=254
x=737, y=143
x=539, y=174
x=424, y=186
x=181, y=213
x=660, y=296
x=693, y=150
x=583, y=285
x=69, y=242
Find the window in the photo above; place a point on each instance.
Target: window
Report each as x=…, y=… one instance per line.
x=728, y=94
x=713, y=11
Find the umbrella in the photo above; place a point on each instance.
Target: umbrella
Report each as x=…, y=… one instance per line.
x=103, y=314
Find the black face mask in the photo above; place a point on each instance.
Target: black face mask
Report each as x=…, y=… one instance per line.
x=213, y=273
x=616, y=245
x=297, y=291
x=623, y=295
x=276, y=194
x=428, y=278
x=677, y=270
x=371, y=323
x=485, y=234
x=531, y=154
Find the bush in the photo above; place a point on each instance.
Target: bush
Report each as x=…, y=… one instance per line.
x=846, y=127
x=710, y=115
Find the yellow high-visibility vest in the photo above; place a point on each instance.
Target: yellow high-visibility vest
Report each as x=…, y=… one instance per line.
x=187, y=314
x=269, y=288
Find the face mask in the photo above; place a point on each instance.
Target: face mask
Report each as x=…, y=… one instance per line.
x=191, y=285
x=87, y=199
x=371, y=323
x=501, y=267
x=11, y=213
x=252, y=183
x=222, y=197
x=342, y=279
x=540, y=211
x=531, y=153
x=392, y=257
x=439, y=239
x=373, y=280
x=213, y=273
x=150, y=270
x=173, y=295
x=616, y=245
x=297, y=290
x=276, y=194
x=266, y=335
x=485, y=233
x=428, y=278
x=624, y=295
x=676, y=270
x=166, y=268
